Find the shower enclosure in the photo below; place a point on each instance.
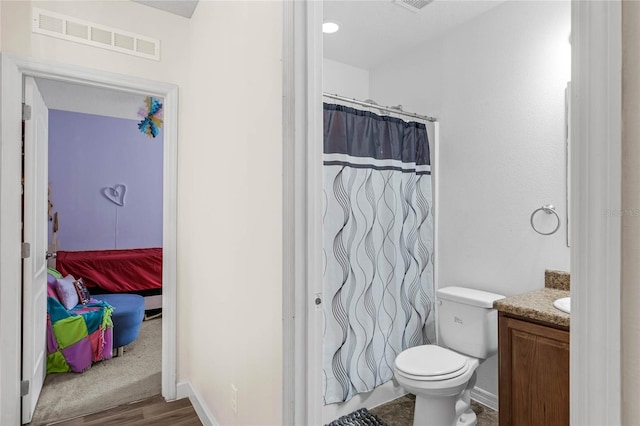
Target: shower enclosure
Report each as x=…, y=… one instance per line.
x=378, y=246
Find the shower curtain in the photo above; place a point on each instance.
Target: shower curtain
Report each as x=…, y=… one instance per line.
x=378, y=247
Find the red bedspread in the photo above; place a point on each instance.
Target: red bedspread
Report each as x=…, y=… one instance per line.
x=114, y=270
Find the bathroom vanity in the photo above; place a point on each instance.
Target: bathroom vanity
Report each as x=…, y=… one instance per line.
x=533, y=351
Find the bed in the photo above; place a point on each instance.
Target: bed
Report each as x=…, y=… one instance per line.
x=137, y=271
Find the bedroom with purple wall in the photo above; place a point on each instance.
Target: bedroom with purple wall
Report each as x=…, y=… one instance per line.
x=105, y=182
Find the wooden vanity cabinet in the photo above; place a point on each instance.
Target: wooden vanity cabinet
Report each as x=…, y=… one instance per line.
x=533, y=372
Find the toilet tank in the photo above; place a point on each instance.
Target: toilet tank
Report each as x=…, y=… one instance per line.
x=467, y=322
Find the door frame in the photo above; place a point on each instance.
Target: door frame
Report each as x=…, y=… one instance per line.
x=302, y=212
x=596, y=133
x=595, y=186
x=12, y=70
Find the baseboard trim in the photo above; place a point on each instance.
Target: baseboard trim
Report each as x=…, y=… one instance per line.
x=485, y=398
x=186, y=390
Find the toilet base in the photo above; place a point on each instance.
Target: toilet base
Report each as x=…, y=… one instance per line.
x=467, y=418
x=435, y=411
x=450, y=407
x=441, y=411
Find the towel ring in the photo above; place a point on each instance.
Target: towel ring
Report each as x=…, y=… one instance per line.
x=548, y=209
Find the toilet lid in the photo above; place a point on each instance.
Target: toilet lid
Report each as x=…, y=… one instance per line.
x=430, y=360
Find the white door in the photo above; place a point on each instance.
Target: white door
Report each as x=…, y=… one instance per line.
x=34, y=293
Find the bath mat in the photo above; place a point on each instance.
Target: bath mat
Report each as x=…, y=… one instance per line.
x=361, y=417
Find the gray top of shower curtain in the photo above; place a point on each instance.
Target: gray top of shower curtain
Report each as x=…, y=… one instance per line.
x=365, y=134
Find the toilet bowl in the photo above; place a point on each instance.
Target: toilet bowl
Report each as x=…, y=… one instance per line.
x=442, y=377
x=439, y=384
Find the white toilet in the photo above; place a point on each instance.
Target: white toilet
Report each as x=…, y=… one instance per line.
x=442, y=377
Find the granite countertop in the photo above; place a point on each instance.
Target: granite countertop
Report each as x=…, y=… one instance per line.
x=536, y=305
x=557, y=279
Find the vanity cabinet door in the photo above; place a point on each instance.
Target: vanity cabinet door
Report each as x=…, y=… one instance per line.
x=533, y=373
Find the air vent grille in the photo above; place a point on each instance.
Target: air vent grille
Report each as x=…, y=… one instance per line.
x=73, y=29
x=124, y=41
x=413, y=5
x=101, y=36
x=145, y=47
x=77, y=30
x=49, y=23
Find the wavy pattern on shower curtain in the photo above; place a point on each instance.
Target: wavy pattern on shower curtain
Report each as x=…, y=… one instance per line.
x=378, y=248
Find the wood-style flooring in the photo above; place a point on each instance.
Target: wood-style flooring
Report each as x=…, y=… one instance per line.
x=153, y=411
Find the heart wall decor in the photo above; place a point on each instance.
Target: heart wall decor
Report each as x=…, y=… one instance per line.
x=115, y=193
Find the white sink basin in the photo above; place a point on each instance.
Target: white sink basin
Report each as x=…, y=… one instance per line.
x=564, y=304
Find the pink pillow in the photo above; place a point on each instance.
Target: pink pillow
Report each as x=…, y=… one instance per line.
x=67, y=293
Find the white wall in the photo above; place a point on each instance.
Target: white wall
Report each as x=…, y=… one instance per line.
x=497, y=86
x=630, y=275
x=170, y=29
x=229, y=180
x=231, y=210
x=345, y=80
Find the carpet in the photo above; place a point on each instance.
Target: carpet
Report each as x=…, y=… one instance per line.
x=134, y=376
x=361, y=417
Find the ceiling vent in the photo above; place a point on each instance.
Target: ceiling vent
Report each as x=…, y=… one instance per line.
x=72, y=29
x=413, y=5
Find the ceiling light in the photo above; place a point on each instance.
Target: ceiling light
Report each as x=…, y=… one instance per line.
x=330, y=27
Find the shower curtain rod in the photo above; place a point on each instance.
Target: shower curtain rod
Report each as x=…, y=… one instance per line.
x=380, y=107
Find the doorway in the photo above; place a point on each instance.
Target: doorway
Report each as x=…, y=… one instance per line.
x=14, y=70
x=595, y=28
x=109, y=240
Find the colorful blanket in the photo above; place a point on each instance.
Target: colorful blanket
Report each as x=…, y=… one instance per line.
x=78, y=337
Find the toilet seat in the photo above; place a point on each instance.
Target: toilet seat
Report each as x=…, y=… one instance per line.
x=431, y=363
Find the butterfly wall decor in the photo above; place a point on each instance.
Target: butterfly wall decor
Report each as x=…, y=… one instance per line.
x=151, y=117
